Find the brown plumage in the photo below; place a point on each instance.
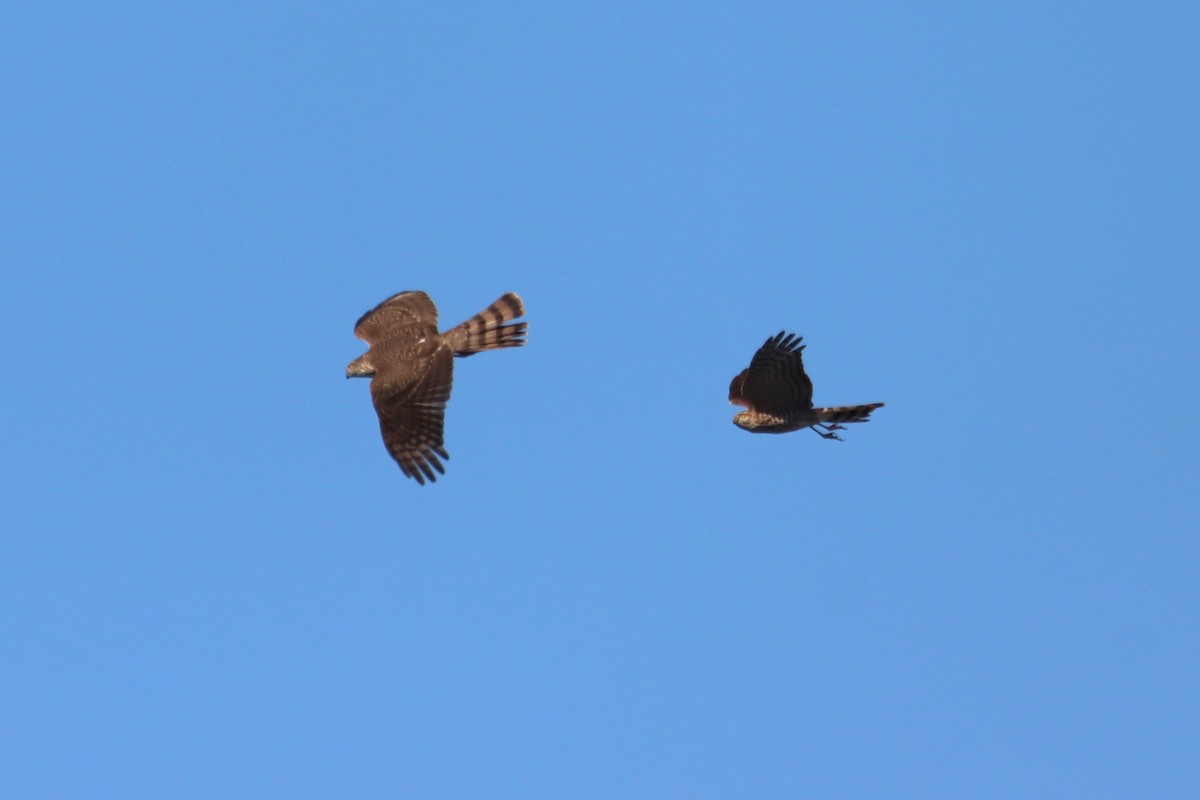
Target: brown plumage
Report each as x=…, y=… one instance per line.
x=411, y=367
x=777, y=394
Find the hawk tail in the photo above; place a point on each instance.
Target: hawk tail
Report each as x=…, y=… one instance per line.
x=841, y=414
x=487, y=329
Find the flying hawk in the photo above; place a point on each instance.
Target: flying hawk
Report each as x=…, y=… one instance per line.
x=411, y=367
x=778, y=394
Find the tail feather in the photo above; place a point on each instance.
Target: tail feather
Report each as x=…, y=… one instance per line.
x=487, y=329
x=842, y=414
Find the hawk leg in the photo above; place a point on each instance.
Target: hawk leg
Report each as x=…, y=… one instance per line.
x=828, y=432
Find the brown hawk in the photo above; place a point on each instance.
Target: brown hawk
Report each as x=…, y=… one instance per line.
x=778, y=394
x=411, y=367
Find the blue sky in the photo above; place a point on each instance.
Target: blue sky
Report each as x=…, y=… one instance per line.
x=217, y=584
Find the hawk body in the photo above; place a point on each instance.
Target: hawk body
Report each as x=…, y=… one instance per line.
x=777, y=394
x=411, y=367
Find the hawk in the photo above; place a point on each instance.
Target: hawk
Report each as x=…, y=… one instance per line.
x=411, y=367
x=777, y=394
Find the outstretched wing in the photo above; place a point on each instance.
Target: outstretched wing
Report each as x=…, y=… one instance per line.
x=775, y=382
x=398, y=312
x=410, y=398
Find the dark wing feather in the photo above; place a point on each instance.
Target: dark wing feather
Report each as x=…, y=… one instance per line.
x=398, y=311
x=776, y=382
x=411, y=404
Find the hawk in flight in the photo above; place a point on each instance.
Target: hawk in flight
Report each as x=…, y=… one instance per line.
x=411, y=367
x=778, y=395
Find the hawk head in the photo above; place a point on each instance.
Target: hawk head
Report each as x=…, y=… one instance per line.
x=361, y=367
x=746, y=421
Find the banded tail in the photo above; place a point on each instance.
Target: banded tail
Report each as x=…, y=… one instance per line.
x=831, y=419
x=487, y=329
x=840, y=414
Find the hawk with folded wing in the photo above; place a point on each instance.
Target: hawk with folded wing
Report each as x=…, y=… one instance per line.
x=777, y=394
x=411, y=367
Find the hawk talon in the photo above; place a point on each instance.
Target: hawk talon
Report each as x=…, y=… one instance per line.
x=826, y=429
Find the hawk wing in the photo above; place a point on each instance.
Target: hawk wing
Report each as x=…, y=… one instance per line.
x=775, y=382
x=410, y=398
x=396, y=313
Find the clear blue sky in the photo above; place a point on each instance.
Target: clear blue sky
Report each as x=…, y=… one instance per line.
x=215, y=583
